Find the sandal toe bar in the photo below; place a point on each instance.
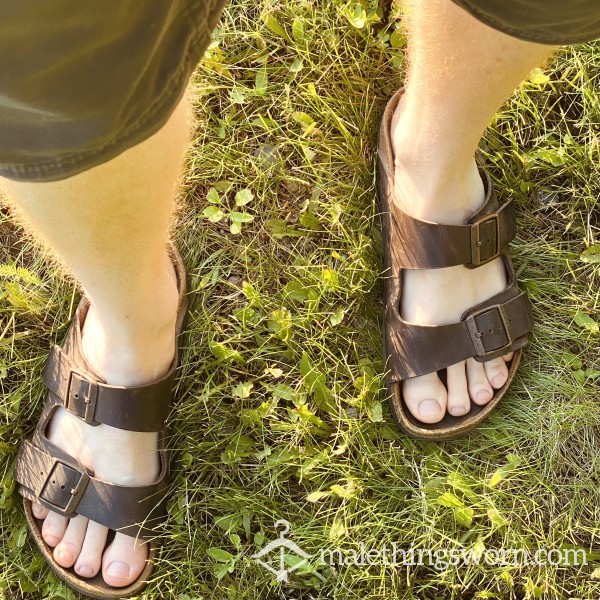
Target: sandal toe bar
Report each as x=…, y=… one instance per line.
x=65, y=486
x=489, y=330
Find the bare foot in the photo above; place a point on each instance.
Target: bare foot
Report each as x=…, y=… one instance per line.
x=440, y=296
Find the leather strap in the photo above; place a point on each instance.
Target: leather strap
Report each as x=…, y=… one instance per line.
x=488, y=330
x=60, y=483
x=417, y=244
x=411, y=243
x=141, y=408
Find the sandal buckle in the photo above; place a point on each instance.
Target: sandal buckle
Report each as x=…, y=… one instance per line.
x=485, y=240
x=64, y=487
x=498, y=320
x=82, y=394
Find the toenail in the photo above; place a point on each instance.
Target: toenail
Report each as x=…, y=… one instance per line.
x=498, y=380
x=483, y=395
x=458, y=411
x=85, y=571
x=428, y=408
x=64, y=556
x=118, y=569
x=51, y=540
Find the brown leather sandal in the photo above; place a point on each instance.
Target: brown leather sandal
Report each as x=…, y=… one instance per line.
x=489, y=330
x=57, y=481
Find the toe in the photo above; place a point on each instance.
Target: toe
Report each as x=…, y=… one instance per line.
x=124, y=560
x=68, y=550
x=508, y=357
x=90, y=558
x=496, y=372
x=480, y=390
x=54, y=528
x=39, y=512
x=425, y=397
x=458, y=394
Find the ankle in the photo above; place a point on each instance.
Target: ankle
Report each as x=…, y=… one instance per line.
x=436, y=177
x=449, y=196
x=128, y=356
x=135, y=345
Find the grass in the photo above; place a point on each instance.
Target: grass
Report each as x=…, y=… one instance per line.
x=280, y=411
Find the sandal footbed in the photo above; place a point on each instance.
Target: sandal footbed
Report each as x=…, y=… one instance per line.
x=449, y=427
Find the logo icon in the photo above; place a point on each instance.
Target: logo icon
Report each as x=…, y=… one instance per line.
x=283, y=544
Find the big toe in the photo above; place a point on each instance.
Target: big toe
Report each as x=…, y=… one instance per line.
x=425, y=397
x=124, y=560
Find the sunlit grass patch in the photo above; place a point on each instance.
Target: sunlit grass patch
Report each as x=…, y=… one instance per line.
x=281, y=412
